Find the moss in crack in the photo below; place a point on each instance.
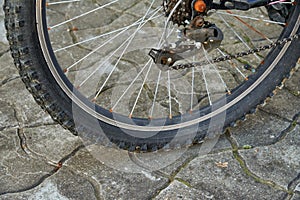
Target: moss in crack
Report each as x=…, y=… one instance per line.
x=295, y=93
x=172, y=177
x=287, y=130
x=184, y=182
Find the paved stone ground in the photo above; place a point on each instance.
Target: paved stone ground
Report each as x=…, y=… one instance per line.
x=257, y=159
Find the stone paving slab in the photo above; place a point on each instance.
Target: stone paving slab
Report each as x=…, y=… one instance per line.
x=256, y=159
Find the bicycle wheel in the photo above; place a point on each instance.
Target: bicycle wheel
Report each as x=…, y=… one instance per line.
x=88, y=64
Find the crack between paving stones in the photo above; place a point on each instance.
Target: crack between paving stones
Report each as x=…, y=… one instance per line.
x=275, y=115
x=4, y=52
x=22, y=140
x=95, y=184
x=282, y=135
x=8, y=127
x=172, y=177
x=9, y=79
x=246, y=170
x=37, y=125
x=292, y=186
x=287, y=130
x=49, y=174
x=33, y=125
x=22, y=137
x=70, y=155
x=17, y=117
x=40, y=181
x=184, y=182
x=216, y=151
x=29, y=152
x=23, y=144
x=293, y=92
x=134, y=159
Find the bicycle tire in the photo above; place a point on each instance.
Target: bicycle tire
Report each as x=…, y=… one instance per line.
x=29, y=57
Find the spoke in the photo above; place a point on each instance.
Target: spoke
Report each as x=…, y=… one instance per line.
x=115, y=66
x=232, y=64
x=164, y=38
x=238, y=36
x=133, y=81
x=251, y=27
x=124, y=50
x=95, y=50
x=140, y=91
x=214, y=67
x=138, y=22
x=105, y=61
x=206, y=85
x=164, y=34
x=155, y=95
x=84, y=14
x=192, y=93
x=102, y=45
x=160, y=43
x=281, y=2
x=247, y=17
x=169, y=94
x=62, y=2
x=117, y=44
x=172, y=12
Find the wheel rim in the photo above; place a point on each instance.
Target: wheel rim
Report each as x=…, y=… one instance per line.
x=104, y=114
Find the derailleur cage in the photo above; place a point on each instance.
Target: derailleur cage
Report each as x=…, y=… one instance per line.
x=164, y=58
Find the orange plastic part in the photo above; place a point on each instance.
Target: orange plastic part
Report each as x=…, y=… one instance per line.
x=200, y=6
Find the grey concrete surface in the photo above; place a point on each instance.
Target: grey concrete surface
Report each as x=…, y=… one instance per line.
x=257, y=159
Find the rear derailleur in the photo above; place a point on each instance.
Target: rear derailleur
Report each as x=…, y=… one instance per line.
x=196, y=32
x=199, y=34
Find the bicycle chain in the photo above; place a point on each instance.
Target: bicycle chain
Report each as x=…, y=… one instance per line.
x=238, y=55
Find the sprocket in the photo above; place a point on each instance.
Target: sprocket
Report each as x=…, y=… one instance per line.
x=181, y=14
